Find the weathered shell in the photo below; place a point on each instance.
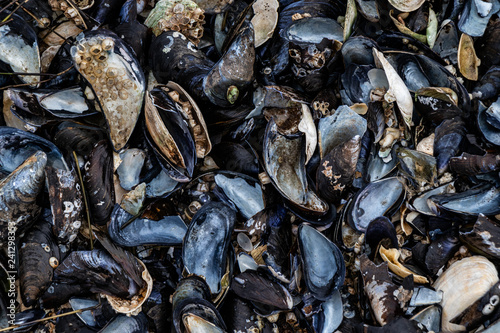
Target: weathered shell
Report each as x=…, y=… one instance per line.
x=484, y=237
x=406, y=5
x=336, y=170
x=35, y=272
x=65, y=196
x=264, y=20
x=386, y=299
x=244, y=193
x=19, y=47
x=463, y=283
x=468, y=62
x=345, y=123
x=485, y=308
x=18, y=195
x=111, y=68
x=398, y=91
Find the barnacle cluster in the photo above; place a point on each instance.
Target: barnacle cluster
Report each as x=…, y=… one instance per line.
x=112, y=78
x=109, y=82
x=70, y=11
x=183, y=16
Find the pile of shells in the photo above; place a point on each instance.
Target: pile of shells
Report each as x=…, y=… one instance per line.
x=263, y=166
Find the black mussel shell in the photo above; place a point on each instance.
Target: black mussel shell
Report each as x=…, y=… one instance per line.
x=259, y=287
x=324, y=267
x=482, y=199
x=38, y=256
x=206, y=242
x=380, y=198
x=167, y=231
x=98, y=180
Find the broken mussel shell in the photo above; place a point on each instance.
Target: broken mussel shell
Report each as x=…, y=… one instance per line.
x=387, y=300
x=483, y=238
x=133, y=306
x=111, y=68
x=19, y=51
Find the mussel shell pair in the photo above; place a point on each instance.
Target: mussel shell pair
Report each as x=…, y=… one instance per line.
x=169, y=135
x=176, y=130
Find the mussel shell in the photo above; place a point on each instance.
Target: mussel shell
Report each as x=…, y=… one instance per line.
x=420, y=203
x=258, y=287
x=490, y=133
x=17, y=145
x=336, y=170
x=284, y=159
x=484, y=237
x=323, y=276
x=449, y=135
x=35, y=272
x=376, y=199
x=313, y=30
x=462, y=284
x=168, y=231
x=120, y=74
x=474, y=19
x=127, y=324
x=192, y=297
x=244, y=192
x=169, y=130
x=358, y=50
x=483, y=199
x=446, y=44
x=65, y=196
x=386, y=298
x=345, y=123
x=18, y=195
x=196, y=122
x=98, y=271
x=331, y=315
x=206, y=243
x=418, y=166
x=19, y=47
x=98, y=180
x=71, y=136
